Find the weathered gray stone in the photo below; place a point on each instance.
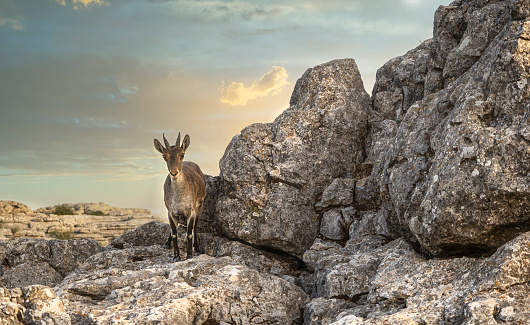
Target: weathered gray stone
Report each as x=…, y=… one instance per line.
x=29, y=273
x=247, y=255
x=460, y=155
x=199, y=290
x=338, y=193
x=40, y=261
x=43, y=307
x=322, y=311
x=273, y=173
x=151, y=233
x=336, y=223
x=482, y=27
x=406, y=288
x=35, y=304
x=520, y=9
x=318, y=250
x=207, y=221
x=399, y=83
x=348, y=273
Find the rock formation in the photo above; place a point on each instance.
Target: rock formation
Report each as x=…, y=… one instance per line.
x=458, y=156
x=409, y=208
x=12, y=207
x=273, y=174
x=97, y=221
x=92, y=208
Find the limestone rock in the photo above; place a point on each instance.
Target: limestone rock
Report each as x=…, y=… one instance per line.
x=336, y=222
x=400, y=82
x=12, y=207
x=394, y=284
x=273, y=173
x=207, y=221
x=39, y=261
x=29, y=273
x=338, y=193
x=348, y=273
x=151, y=233
x=247, y=255
x=460, y=156
x=90, y=208
x=321, y=311
x=139, y=285
x=102, y=228
x=35, y=304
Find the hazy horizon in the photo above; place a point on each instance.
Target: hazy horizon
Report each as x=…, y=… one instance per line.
x=86, y=85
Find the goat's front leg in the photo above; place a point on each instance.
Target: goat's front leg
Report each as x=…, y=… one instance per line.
x=174, y=238
x=190, y=230
x=169, y=241
x=195, y=238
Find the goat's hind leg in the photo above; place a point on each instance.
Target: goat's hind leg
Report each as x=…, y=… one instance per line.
x=174, y=238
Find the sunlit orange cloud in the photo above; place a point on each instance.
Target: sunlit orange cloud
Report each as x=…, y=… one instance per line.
x=84, y=3
x=236, y=94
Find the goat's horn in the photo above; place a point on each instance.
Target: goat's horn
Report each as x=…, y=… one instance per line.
x=178, y=141
x=166, y=142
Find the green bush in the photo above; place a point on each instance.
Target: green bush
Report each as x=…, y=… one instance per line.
x=62, y=210
x=62, y=234
x=97, y=213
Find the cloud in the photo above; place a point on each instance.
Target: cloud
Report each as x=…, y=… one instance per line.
x=237, y=94
x=84, y=3
x=14, y=23
x=261, y=13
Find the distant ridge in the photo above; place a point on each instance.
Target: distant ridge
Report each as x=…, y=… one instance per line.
x=98, y=221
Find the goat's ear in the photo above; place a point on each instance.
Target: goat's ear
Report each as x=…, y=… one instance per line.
x=159, y=147
x=186, y=142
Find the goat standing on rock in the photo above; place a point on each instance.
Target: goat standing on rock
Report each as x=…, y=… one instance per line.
x=184, y=192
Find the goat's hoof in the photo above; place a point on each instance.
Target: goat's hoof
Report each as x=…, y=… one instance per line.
x=176, y=259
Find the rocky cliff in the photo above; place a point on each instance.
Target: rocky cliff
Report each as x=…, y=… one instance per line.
x=97, y=221
x=411, y=206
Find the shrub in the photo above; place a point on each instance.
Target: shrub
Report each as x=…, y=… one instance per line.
x=97, y=213
x=14, y=230
x=62, y=210
x=62, y=234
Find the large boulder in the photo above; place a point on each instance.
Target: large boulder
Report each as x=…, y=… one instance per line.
x=151, y=233
x=273, y=174
x=139, y=285
x=378, y=283
x=455, y=176
x=39, y=261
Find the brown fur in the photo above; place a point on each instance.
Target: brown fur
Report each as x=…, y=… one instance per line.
x=184, y=192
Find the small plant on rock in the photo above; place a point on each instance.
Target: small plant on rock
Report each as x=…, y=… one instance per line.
x=63, y=210
x=65, y=235
x=97, y=213
x=14, y=230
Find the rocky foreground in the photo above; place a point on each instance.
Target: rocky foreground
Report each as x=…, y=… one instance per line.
x=411, y=206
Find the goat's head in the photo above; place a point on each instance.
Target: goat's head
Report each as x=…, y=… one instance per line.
x=173, y=155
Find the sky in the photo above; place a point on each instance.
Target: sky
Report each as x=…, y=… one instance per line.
x=86, y=85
